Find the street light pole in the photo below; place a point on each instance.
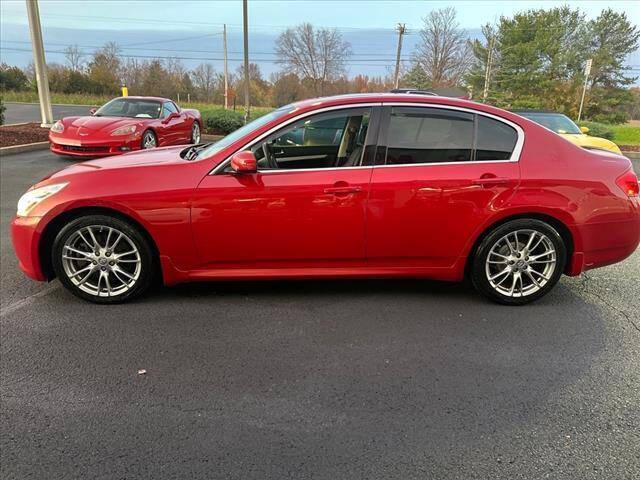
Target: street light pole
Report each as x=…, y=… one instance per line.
x=245, y=25
x=587, y=71
x=39, y=63
x=226, y=68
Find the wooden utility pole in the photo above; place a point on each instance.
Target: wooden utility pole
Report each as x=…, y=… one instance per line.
x=245, y=25
x=401, y=31
x=487, y=73
x=226, y=68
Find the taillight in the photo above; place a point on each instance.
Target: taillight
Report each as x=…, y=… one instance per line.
x=628, y=182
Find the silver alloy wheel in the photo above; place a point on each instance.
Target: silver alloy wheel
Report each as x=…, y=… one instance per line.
x=101, y=261
x=195, y=133
x=521, y=263
x=149, y=140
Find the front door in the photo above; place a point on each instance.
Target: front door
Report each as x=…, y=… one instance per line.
x=445, y=172
x=297, y=212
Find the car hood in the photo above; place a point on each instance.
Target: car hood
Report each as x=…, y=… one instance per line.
x=589, y=142
x=91, y=124
x=144, y=158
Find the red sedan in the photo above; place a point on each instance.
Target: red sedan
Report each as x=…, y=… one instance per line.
x=377, y=185
x=126, y=124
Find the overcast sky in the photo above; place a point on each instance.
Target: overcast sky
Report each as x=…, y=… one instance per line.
x=191, y=30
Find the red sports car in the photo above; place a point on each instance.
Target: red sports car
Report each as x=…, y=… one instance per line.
x=375, y=185
x=126, y=124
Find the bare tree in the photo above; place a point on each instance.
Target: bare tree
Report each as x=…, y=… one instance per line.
x=317, y=55
x=204, y=80
x=74, y=56
x=444, y=53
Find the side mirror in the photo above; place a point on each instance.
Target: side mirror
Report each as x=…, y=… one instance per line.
x=170, y=117
x=584, y=129
x=93, y=110
x=244, y=162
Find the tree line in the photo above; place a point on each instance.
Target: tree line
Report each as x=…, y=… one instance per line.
x=534, y=59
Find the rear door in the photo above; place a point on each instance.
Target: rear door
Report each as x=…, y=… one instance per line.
x=445, y=171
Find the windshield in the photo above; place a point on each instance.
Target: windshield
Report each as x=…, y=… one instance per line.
x=130, y=108
x=557, y=122
x=242, y=131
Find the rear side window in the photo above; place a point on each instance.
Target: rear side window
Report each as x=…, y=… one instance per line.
x=495, y=139
x=429, y=135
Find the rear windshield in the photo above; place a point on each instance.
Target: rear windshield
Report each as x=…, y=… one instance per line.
x=130, y=108
x=557, y=122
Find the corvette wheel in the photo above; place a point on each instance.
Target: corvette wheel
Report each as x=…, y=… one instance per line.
x=102, y=259
x=519, y=262
x=195, y=133
x=149, y=140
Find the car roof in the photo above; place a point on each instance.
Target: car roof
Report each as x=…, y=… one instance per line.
x=550, y=112
x=140, y=97
x=356, y=98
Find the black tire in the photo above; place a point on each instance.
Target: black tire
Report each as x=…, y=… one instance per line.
x=146, y=137
x=193, y=138
x=480, y=277
x=147, y=265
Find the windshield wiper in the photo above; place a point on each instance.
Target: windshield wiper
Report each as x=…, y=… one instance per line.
x=191, y=153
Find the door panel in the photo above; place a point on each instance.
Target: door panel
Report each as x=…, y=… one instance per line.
x=425, y=215
x=310, y=216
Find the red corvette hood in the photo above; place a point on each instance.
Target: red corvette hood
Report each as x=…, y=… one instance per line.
x=144, y=158
x=88, y=125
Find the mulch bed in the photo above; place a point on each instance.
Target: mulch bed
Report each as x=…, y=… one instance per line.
x=23, y=134
x=630, y=148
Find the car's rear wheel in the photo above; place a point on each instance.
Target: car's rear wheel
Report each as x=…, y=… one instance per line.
x=103, y=259
x=195, y=133
x=149, y=140
x=519, y=262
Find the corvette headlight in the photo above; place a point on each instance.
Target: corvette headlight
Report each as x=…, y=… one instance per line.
x=37, y=195
x=126, y=130
x=57, y=127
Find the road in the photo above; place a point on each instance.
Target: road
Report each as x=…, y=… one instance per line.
x=329, y=380
x=30, y=112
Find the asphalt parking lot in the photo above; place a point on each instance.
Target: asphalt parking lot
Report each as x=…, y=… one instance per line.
x=331, y=379
x=30, y=112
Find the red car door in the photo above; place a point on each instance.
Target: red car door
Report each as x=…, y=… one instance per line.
x=296, y=213
x=446, y=170
x=172, y=125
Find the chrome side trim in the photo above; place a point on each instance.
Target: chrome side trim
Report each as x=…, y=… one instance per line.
x=515, y=155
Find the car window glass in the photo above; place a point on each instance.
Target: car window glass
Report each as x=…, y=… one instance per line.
x=167, y=109
x=429, y=135
x=495, y=139
x=320, y=141
x=131, y=108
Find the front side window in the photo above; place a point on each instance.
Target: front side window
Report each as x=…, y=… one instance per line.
x=429, y=135
x=168, y=108
x=326, y=140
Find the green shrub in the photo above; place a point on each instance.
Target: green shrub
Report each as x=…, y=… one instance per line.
x=222, y=121
x=611, y=117
x=598, y=130
x=2, y=109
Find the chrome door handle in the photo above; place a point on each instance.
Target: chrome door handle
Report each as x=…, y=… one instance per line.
x=489, y=181
x=342, y=190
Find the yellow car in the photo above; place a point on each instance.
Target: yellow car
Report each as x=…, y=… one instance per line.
x=564, y=126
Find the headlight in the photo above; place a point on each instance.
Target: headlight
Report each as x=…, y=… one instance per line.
x=57, y=127
x=126, y=130
x=35, y=196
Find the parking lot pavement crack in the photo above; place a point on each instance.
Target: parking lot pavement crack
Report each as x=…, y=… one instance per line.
x=586, y=284
x=17, y=305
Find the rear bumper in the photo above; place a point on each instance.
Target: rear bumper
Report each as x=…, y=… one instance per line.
x=25, y=236
x=606, y=243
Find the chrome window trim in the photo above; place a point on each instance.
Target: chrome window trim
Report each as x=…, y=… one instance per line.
x=515, y=155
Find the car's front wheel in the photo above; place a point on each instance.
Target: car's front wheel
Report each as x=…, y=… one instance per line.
x=519, y=262
x=103, y=259
x=149, y=140
x=195, y=133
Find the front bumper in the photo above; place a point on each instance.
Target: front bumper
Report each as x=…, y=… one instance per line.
x=25, y=235
x=94, y=148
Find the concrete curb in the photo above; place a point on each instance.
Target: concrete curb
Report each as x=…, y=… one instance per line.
x=632, y=155
x=29, y=147
x=211, y=138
